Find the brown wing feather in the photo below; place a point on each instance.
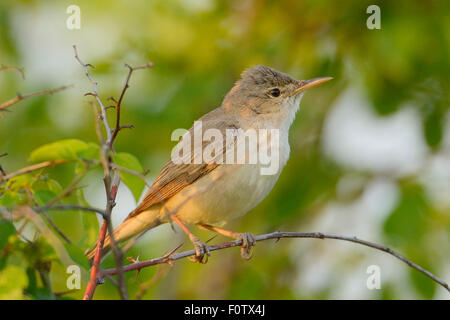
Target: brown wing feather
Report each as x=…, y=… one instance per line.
x=174, y=177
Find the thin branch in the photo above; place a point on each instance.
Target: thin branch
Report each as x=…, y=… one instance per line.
x=101, y=140
x=111, y=188
x=278, y=235
x=111, y=193
x=92, y=284
x=47, y=217
x=32, y=168
x=2, y=171
x=95, y=93
x=111, y=183
x=53, y=225
x=18, y=70
x=132, y=172
x=71, y=207
x=20, y=97
x=122, y=94
x=66, y=191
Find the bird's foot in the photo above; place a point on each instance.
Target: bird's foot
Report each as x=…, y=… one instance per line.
x=201, y=251
x=248, y=241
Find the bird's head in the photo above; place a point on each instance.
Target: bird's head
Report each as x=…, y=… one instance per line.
x=265, y=90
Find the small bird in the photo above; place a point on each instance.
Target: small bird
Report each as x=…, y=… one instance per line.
x=209, y=193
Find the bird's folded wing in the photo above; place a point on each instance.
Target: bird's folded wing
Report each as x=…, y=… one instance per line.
x=174, y=177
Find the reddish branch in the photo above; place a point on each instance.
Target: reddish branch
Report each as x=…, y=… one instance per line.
x=111, y=192
x=111, y=182
x=170, y=257
x=90, y=289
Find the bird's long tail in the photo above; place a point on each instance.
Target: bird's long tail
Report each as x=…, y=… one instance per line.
x=130, y=227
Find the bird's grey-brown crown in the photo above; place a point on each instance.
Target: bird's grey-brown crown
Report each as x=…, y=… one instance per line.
x=260, y=89
x=269, y=77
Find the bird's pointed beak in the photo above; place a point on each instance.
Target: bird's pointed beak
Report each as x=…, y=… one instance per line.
x=308, y=84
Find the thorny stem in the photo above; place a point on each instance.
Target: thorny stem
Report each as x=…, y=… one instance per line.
x=279, y=235
x=111, y=184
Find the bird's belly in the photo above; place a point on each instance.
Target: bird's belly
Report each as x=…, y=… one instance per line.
x=228, y=192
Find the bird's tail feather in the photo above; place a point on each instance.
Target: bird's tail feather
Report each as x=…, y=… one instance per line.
x=129, y=228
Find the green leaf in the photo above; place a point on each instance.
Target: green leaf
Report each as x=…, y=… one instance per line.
x=8, y=199
x=92, y=152
x=32, y=281
x=68, y=149
x=77, y=255
x=433, y=127
x=54, y=186
x=43, y=293
x=6, y=229
x=21, y=181
x=408, y=220
x=129, y=161
x=13, y=280
x=43, y=196
x=44, y=250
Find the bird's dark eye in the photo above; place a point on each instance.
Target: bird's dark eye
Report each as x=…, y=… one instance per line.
x=275, y=92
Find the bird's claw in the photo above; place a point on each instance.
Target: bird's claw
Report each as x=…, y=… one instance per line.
x=201, y=251
x=248, y=241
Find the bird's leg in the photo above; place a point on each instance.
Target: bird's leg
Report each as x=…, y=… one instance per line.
x=201, y=249
x=248, y=239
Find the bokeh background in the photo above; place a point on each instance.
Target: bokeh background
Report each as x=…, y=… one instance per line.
x=370, y=150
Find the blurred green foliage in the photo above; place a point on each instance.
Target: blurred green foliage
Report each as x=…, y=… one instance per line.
x=199, y=48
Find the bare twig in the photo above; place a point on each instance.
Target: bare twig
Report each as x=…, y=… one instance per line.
x=106, y=225
x=111, y=183
x=92, y=284
x=32, y=168
x=16, y=69
x=103, y=159
x=111, y=192
x=95, y=93
x=132, y=172
x=66, y=191
x=2, y=171
x=47, y=217
x=279, y=235
x=48, y=206
x=71, y=207
x=118, y=103
x=20, y=97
